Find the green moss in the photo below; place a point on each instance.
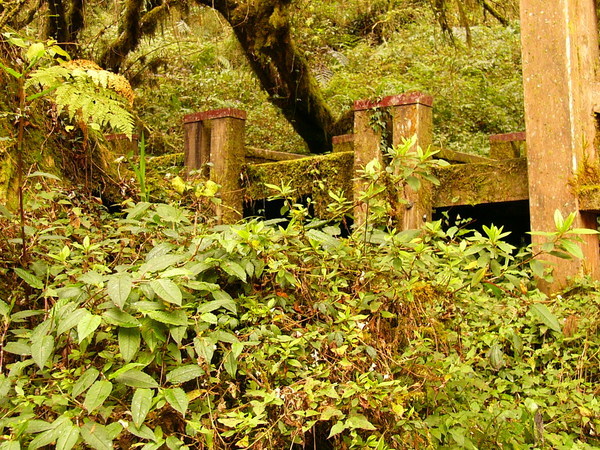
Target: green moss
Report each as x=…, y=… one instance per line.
x=313, y=176
x=472, y=184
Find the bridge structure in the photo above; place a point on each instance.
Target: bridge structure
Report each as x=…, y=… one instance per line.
x=552, y=166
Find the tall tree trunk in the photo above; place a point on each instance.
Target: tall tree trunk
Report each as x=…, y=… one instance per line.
x=263, y=30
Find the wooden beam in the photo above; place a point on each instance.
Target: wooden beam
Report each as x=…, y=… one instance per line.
x=474, y=184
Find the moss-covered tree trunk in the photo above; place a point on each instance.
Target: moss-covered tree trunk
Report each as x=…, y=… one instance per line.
x=263, y=30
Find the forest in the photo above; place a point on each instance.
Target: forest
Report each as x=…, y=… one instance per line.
x=132, y=315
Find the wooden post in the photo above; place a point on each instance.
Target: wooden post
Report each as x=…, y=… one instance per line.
x=343, y=143
x=560, y=59
x=508, y=145
x=410, y=115
x=217, y=137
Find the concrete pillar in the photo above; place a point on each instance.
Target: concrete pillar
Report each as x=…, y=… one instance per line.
x=560, y=61
x=217, y=137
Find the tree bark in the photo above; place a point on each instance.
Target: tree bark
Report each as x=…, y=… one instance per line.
x=263, y=30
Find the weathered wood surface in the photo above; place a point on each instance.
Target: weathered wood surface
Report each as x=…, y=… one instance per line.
x=560, y=59
x=312, y=176
x=507, y=146
x=473, y=184
x=217, y=137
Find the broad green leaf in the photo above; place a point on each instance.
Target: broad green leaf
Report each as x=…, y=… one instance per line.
x=142, y=431
x=87, y=326
x=234, y=269
x=177, y=399
x=115, y=316
x=478, y=276
x=17, y=348
x=572, y=248
x=96, y=436
x=42, y=349
x=184, y=374
x=231, y=364
x=71, y=320
x=496, y=357
x=177, y=318
x=167, y=290
x=359, y=421
x=4, y=309
x=337, y=429
x=67, y=437
x=37, y=173
x=29, y=278
x=35, y=51
x=10, y=445
x=118, y=288
x=159, y=263
x=537, y=267
x=140, y=405
x=546, y=317
x=138, y=210
x=205, y=348
x=213, y=305
x=12, y=72
x=129, y=342
x=43, y=439
x=85, y=381
x=96, y=394
x=137, y=379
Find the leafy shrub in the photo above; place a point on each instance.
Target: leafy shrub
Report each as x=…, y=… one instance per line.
x=157, y=328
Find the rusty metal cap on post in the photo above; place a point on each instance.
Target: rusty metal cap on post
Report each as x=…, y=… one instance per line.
x=408, y=98
x=215, y=114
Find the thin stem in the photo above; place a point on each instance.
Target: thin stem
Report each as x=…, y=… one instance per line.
x=20, y=168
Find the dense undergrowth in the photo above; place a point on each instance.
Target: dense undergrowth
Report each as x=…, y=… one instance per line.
x=158, y=327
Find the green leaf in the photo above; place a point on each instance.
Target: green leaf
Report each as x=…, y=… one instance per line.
x=414, y=183
x=177, y=398
x=234, y=269
x=115, y=316
x=68, y=437
x=337, y=429
x=227, y=303
x=129, y=342
x=546, y=317
x=496, y=357
x=537, y=267
x=87, y=326
x=167, y=290
x=35, y=51
x=12, y=72
x=70, y=321
x=43, y=439
x=359, y=421
x=177, y=318
x=160, y=262
x=140, y=405
x=97, y=393
x=137, y=379
x=29, y=278
x=184, y=374
x=10, y=445
x=85, y=381
x=118, y=288
x=478, y=276
x=42, y=349
x=572, y=248
x=143, y=431
x=231, y=364
x=138, y=210
x=96, y=436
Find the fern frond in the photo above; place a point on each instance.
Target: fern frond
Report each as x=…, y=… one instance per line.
x=88, y=93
